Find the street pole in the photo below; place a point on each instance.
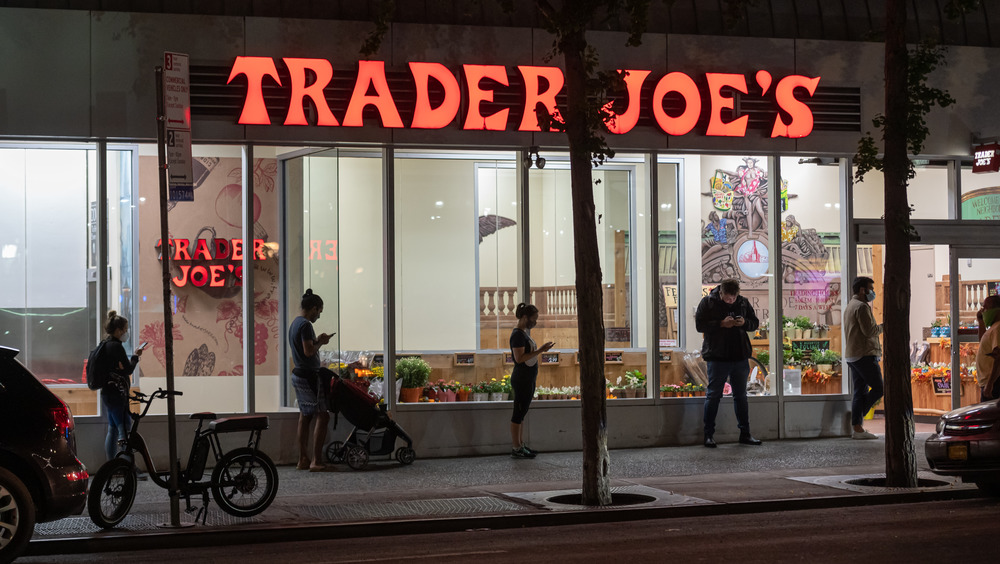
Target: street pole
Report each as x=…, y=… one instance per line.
x=168, y=321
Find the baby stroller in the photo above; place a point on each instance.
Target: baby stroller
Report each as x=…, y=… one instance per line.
x=374, y=432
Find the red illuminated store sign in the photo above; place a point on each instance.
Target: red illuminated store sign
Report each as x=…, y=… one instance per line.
x=541, y=85
x=987, y=158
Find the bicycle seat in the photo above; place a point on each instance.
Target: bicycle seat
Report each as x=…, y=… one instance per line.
x=202, y=416
x=236, y=424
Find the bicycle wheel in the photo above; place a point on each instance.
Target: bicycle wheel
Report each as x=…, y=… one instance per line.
x=244, y=482
x=112, y=493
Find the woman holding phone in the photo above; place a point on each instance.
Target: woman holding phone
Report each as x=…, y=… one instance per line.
x=114, y=394
x=524, y=375
x=310, y=385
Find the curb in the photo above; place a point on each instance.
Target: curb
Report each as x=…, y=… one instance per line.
x=254, y=534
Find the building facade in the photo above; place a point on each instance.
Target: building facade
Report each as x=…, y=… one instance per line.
x=416, y=193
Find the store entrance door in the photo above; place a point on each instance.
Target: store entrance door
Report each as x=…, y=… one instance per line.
x=976, y=271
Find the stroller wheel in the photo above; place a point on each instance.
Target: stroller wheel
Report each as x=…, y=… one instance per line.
x=335, y=452
x=357, y=457
x=405, y=455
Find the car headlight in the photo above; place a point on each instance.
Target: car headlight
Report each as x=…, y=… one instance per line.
x=940, y=426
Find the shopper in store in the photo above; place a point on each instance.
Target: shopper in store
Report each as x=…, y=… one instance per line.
x=987, y=367
x=310, y=381
x=862, y=352
x=726, y=319
x=524, y=375
x=117, y=368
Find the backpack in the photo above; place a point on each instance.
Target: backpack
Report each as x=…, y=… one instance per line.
x=97, y=375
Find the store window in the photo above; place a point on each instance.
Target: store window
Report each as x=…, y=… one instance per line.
x=732, y=199
x=812, y=283
x=668, y=273
x=207, y=281
x=553, y=272
x=333, y=245
x=980, y=194
x=48, y=270
x=456, y=254
x=927, y=192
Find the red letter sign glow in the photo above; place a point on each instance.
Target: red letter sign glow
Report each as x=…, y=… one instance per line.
x=802, y=117
x=324, y=72
x=255, y=69
x=373, y=73
x=533, y=97
x=737, y=127
x=685, y=86
x=424, y=116
x=625, y=121
x=474, y=119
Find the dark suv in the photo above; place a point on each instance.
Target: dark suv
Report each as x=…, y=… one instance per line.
x=41, y=479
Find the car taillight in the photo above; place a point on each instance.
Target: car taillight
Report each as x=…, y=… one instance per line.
x=77, y=476
x=62, y=418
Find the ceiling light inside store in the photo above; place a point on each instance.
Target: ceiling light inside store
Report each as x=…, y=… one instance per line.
x=9, y=251
x=439, y=204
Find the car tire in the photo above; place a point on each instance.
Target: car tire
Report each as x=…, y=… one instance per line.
x=989, y=487
x=17, y=516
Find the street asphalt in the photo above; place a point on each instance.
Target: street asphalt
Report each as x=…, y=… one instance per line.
x=440, y=495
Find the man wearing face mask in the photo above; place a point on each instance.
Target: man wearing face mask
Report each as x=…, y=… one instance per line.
x=987, y=367
x=862, y=353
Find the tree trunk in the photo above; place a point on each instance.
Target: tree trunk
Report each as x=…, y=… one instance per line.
x=590, y=323
x=900, y=457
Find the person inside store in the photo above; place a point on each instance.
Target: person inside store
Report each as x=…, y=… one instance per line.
x=524, y=376
x=726, y=319
x=119, y=367
x=310, y=381
x=862, y=352
x=987, y=367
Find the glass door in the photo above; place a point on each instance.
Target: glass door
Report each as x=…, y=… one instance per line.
x=977, y=271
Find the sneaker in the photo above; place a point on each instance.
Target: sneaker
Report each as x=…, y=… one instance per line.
x=863, y=435
x=530, y=451
x=521, y=453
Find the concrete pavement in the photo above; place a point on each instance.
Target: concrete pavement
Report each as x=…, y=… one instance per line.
x=499, y=492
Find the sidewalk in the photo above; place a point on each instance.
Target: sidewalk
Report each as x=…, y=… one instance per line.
x=440, y=495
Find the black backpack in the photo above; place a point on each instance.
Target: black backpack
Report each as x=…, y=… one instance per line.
x=97, y=374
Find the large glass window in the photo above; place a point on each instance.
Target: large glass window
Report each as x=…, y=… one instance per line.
x=927, y=192
x=207, y=281
x=333, y=238
x=811, y=276
x=456, y=261
x=553, y=269
x=47, y=249
x=980, y=194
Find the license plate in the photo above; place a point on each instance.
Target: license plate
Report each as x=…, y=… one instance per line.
x=958, y=452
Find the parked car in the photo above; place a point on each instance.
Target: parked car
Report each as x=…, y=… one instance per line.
x=967, y=444
x=41, y=479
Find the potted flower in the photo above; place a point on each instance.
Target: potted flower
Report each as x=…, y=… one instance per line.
x=635, y=384
x=506, y=387
x=698, y=389
x=463, y=392
x=803, y=327
x=826, y=360
x=413, y=373
x=480, y=391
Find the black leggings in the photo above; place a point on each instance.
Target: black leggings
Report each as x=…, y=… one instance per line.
x=523, y=386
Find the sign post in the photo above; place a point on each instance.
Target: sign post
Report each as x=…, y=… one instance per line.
x=176, y=93
x=168, y=322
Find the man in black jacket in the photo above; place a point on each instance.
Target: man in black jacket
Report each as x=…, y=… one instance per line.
x=725, y=317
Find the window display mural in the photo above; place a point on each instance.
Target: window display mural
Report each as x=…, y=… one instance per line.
x=734, y=227
x=207, y=250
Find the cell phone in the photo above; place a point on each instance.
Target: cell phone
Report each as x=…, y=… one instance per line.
x=143, y=345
